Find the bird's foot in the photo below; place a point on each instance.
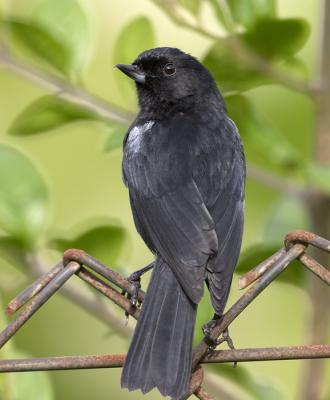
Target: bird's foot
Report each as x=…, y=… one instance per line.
x=207, y=329
x=135, y=281
x=132, y=295
x=225, y=337
x=214, y=342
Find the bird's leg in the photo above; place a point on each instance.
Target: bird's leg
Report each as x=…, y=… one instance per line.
x=225, y=337
x=135, y=280
x=207, y=328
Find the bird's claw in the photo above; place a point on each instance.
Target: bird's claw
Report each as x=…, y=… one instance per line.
x=225, y=337
x=214, y=342
x=135, y=281
x=207, y=328
x=135, y=286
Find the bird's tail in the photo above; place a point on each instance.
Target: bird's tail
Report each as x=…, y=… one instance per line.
x=161, y=349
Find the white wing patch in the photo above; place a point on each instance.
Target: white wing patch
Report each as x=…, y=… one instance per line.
x=135, y=135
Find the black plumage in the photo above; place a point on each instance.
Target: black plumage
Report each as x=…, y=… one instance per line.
x=184, y=167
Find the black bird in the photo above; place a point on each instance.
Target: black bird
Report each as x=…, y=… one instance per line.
x=184, y=167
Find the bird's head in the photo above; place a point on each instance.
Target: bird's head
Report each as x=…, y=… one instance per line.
x=167, y=78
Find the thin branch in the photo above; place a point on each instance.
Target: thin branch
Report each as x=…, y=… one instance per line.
x=276, y=182
x=106, y=111
x=65, y=90
x=211, y=381
x=241, y=51
x=317, y=324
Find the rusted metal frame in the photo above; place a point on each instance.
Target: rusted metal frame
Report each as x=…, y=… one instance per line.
x=45, y=286
x=63, y=363
x=315, y=267
x=305, y=237
x=196, y=380
x=33, y=289
x=302, y=237
x=41, y=290
x=117, y=360
x=202, y=348
x=40, y=298
x=269, y=354
x=201, y=394
x=83, y=258
x=108, y=292
x=255, y=273
x=270, y=267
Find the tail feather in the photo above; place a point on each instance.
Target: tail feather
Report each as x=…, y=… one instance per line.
x=161, y=349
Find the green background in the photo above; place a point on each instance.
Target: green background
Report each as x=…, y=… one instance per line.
x=85, y=184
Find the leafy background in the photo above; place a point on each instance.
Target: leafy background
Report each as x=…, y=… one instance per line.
x=64, y=112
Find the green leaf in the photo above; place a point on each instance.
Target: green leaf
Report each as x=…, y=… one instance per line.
x=259, y=135
x=11, y=251
x=23, y=197
x=41, y=43
x=48, y=112
x=105, y=241
x=193, y=6
x=231, y=73
x=222, y=13
x=295, y=66
x=116, y=138
x=245, y=380
x=287, y=214
x=291, y=35
x=234, y=74
x=318, y=176
x=67, y=21
x=247, y=12
x=137, y=36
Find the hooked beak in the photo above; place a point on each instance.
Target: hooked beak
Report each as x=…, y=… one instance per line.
x=133, y=72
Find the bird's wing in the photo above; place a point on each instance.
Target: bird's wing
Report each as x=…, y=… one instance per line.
x=226, y=204
x=224, y=191
x=169, y=211
x=182, y=233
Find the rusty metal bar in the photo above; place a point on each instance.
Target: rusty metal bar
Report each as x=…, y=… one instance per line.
x=315, y=267
x=83, y=258
x=269, y=354
x=109, y=292
x=40, y=291
x=201, y=394
x=62, y=363
x=294, y=252
x=260, y=269
x=33, y=290
x=38, y=301
x=300, y=236
x=117, y=360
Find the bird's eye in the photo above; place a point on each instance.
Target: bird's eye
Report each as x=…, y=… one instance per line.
x=169, y=69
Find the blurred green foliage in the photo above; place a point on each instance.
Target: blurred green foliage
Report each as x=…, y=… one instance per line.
x=23, y=194
x=46, y=113
x=245, y=42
